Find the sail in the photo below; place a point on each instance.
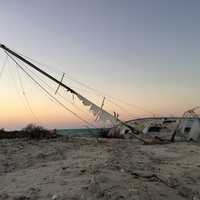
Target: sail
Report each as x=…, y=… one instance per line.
x=100, y=114
x=97, y=111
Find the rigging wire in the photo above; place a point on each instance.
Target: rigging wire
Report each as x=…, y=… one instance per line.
x=26, y=97
x=109, y=98
x=41, y=64
x=17, y=90
x=58, y=94
x=3, y=66
x=100, y=93
x=49, y=94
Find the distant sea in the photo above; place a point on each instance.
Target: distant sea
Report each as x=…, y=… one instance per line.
x=92, y=132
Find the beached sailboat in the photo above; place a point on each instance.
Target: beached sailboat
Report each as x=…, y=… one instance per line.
x=98, y=112
x=119, y=127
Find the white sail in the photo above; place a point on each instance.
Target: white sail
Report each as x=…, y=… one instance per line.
x=100, y=114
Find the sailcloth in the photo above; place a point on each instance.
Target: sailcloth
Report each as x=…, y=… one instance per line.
x=99, y=113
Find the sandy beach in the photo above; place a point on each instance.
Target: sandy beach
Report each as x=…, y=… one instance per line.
x=90, y=168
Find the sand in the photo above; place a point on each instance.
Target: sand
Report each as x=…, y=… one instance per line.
x=89, y=169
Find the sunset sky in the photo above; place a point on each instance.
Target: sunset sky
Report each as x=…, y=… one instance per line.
x=145, y=53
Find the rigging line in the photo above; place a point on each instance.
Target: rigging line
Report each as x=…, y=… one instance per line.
x=17, y=90
x=20, y=97
x=26, y=102
x=87, y=86
x=47, y=92
x=64, y=98
x=100, y=93
x=26, y=98
x=114, y=103
x=60, y=83
x=119, y=106
x=108, y=97
x=40, y=63
x=108, y=100
x=3, y=66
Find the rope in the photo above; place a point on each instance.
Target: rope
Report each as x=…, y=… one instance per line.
x=64, y=98
x=60, y=83
x=48, y=93
x=109, y=97
x=100, y=93
x=133, y=130
x=26, y=98
x=17, y=90
x=55, y=70
x=3, y=66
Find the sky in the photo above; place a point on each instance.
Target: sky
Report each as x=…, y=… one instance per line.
x=144, y=53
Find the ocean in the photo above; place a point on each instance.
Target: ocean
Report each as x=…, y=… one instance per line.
x=92, y=132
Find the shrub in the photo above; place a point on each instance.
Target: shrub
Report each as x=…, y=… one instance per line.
x=35, y=132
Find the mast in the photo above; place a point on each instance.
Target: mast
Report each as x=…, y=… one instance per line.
x=36, y=68
x=6, y=49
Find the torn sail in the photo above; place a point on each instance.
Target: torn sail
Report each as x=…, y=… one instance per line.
x=99, y=113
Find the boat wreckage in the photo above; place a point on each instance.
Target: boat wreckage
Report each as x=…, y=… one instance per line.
x=157, y=129
x=185, y=128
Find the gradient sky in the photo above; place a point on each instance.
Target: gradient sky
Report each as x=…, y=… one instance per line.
x=145, y=52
